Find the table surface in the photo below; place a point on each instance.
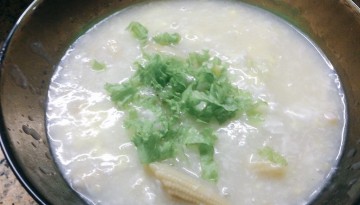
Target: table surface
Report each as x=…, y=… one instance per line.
x=11, y=191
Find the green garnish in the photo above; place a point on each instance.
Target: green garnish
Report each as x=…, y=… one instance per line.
x=155, y=139
x=204, y=141
x=166, y=39
x=139, y=31
x=171, y=101
x=98, y=66
x=272, y=156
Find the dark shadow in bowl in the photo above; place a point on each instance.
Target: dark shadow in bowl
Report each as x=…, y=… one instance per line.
x=47, y=28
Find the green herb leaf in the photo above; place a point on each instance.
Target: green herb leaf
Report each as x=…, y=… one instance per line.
x=96, y=65
x=204, y=141
x=196, y=59
x=139, y=31
x=208, y=164
x=121, y=94
x=154, y=140
x=272, y=156
x=166, y=39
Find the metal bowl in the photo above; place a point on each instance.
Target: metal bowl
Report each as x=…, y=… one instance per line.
x=47, y=28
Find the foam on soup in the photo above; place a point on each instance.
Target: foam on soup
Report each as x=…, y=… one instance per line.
x=304, y=119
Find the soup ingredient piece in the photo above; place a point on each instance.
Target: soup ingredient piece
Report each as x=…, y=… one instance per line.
x=269, y=169
x=272, y=156
x=207, y=162
x=205, y=141
x=331, y=118
x=256, y=112
x=122, y=94
x=139, y=31
x=155, y=137
x=98, y=66
x=183, y=186
x=166, y=39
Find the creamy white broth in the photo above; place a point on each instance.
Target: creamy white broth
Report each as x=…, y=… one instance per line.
x=304, y=119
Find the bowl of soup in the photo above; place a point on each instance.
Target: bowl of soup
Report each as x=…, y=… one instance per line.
x=184, y=102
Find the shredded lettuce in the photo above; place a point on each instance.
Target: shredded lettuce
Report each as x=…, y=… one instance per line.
x=204, y=140
x=155, y=140
x=272, y=156
x=138, y=31
x=166, y=39
x=121, y=94
x=170, y=102
x=98, y=66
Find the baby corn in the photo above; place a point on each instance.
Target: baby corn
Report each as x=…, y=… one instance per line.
x=185, y=187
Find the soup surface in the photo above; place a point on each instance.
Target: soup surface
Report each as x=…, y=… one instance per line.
x=303, y=119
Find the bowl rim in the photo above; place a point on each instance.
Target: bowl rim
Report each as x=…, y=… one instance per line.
x=5, y=146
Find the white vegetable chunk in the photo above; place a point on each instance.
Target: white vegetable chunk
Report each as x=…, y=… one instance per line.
x=185, y=187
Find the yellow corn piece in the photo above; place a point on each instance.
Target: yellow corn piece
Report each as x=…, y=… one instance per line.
x=269, y=169
x=185, y=187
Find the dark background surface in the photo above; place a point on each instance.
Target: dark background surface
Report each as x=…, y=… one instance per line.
x=10, y=10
